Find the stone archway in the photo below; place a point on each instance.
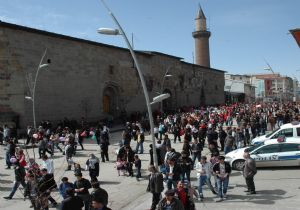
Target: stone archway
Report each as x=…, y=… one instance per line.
x=110, y=101
x=167, y=103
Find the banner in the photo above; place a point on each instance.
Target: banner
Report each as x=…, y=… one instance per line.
x=296, y=35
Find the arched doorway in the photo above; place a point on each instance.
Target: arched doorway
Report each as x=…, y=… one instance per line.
x=106, y=104
x=167, y=103
x=110, y=101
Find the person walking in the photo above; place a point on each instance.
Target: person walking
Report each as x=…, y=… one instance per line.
x=173, y=172
x=222, y=170
x=97, y=204
x=249, y=173
x=10, y=152
x=196, y=148
x=82, y=187
x=229, y=141
x=45, y=185
x=98, y=193
x=138, y=166
x=203, y=172
x=71, y=202
x=19, y=179
x=155, y=185
x=64, y=186
x=92, y=165
x=170, y=202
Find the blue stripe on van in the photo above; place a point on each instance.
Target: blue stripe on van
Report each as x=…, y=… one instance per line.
x=291, y=157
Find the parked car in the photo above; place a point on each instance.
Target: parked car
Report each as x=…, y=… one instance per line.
x=271, y=153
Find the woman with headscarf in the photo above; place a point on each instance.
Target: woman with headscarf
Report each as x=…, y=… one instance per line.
x=92, y=165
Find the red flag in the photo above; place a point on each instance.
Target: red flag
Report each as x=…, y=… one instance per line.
x=296, y=35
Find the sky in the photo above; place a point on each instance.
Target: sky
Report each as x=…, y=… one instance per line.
x=245, y=33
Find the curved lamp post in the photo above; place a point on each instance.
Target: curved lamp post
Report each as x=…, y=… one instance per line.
x=120, y=31
x=32, y=89
x=162, y=85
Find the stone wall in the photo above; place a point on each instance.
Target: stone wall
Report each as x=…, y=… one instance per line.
x=82, y=73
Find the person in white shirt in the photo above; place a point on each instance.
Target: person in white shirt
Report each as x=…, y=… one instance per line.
x=203, y=169
x=48, y=164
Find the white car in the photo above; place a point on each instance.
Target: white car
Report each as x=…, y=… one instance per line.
x=289, y=130
x=271, y=153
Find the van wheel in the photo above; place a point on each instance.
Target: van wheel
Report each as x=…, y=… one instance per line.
x=238, y=165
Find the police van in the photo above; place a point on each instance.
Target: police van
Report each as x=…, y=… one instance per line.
x=289, y=130
x=271, y=153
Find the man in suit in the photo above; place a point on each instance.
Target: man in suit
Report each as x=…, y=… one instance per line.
x=155, y=185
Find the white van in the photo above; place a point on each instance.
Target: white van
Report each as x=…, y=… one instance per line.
x=289, y=130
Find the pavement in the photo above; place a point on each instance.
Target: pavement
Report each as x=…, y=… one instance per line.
x=277, y=188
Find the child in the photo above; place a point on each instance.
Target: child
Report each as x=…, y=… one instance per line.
x=120, y=165
x=77, y=168
x=138, y=166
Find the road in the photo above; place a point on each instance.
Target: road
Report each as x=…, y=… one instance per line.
x=276, y=188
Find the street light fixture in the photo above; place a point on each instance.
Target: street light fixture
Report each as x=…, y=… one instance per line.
x=120, y=31
x=162, y=85
x=160, y=98
x=33, y=88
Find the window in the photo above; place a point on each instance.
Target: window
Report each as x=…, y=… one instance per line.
x=290, y=147
x=298, y=131
x=285, y=132
x=273, y=148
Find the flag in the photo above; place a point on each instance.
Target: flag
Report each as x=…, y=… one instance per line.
x=296, y=35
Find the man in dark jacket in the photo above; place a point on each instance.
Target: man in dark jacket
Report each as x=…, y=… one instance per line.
x=72, y=202
x=173, y=172
x=19, y=179
x=127, y=154
x=249, y=172
x=222, y=171
x=155, y=185
x=98, y=193
x=82, y=187
x=97, y=204
x=222, y=136
x=170, y=202
x=45, y=185
x=10, y=152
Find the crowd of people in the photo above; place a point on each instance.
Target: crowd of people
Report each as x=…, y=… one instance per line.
x=196, y=129
x=38, y=180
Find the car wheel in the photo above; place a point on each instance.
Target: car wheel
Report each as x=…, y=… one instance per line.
x=238, y=165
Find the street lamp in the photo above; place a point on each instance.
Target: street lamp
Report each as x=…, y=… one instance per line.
x=32, y=88
x=120, y=31
x=162, y=85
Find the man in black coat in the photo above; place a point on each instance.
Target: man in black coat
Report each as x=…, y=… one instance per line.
x=99, y=193
x=10, y=152
x=155, y=185
x=82, y=187
x=72, y=202
x=127, y=154
x=46, y=184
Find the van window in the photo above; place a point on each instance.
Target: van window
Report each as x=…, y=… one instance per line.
x=272, y=148
x=298, y=131
x=288, y=132
x=290, y=147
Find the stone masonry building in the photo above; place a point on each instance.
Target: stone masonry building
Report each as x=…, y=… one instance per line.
x=90, y=79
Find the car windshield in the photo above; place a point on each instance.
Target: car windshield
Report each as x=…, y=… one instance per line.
x=270, y=134
x=250, y=149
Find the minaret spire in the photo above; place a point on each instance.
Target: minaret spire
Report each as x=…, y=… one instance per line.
x=201, y=36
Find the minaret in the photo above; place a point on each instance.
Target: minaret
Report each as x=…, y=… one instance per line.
x=201, y=36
